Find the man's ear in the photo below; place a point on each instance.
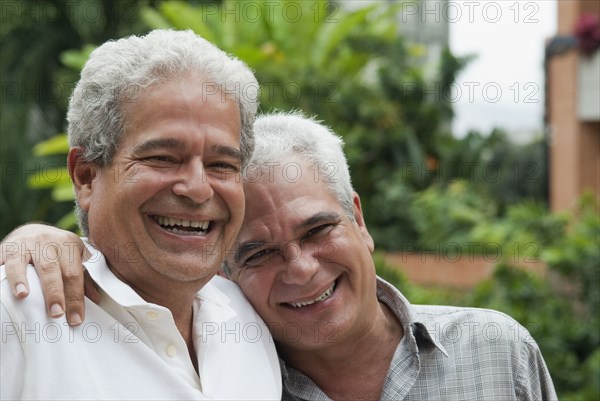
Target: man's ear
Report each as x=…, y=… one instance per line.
x=358, y=216
x=83, y=174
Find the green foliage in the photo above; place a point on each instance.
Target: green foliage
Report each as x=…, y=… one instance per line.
x=283, y=47
x=590, y=374
x=54, y=150
x=506, y=171
x=460, y=217
x=447, y=215
x=577, y=255
x=56, y=178
x=393, y=226
x=75, y=59
x=567, y=337
x=497, y=173
x=522, y=233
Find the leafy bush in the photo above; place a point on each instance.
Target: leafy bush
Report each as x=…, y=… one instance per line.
x=445, y=215
x=473, y=183
x=577, y=255
x=507, y=172
x=522, y=233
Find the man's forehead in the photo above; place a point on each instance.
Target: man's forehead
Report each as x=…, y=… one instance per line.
x=192, y=82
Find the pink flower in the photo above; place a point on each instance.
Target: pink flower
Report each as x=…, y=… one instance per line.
x=587, y=31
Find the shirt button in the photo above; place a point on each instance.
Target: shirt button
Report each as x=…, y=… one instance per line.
x=152, y=315
x=171, y=351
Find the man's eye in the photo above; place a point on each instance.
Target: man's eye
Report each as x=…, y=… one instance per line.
x=319, y=230
x=159, y=158
x=225, y=166
x=259, y=257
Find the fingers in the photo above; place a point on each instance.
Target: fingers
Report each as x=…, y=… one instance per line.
x=16, y=253
x=74, y=298
x=49, y=269
x=71, y=268
x=75, y=280
x=57, y=257
x=16, y=268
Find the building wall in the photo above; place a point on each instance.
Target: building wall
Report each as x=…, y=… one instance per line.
x=568, y=12
x=564, y=144
x=574, y=144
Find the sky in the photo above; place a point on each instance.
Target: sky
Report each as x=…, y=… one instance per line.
x=504, y=86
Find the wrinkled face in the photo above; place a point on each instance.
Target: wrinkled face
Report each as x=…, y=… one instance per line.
x=172, y=201
x=305, y=266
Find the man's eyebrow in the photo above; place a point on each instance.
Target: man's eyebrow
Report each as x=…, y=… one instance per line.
x=228, y=151
x=245, y=248
x=159, y=143
x=320, y=217
x=174, y=143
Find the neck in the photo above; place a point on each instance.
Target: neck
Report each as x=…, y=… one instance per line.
x=335, y=368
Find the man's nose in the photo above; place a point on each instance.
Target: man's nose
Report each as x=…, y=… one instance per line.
x=193, y=183
x=301, y=265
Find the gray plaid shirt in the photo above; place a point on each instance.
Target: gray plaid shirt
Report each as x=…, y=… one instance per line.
x=449, y=353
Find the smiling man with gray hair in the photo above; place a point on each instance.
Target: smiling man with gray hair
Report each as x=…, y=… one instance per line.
x=160, y=131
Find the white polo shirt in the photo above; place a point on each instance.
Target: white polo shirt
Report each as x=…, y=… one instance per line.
x=129, y=349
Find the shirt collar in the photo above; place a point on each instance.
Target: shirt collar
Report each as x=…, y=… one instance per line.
x=106, y=280
x=411, y=321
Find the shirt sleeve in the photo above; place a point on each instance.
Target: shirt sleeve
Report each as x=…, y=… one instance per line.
x=533, y=379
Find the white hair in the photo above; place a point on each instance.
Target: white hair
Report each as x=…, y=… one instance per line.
x=280, y=136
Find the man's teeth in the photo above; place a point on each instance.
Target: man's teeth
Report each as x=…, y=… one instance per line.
x=320, y=298
x=175, y=225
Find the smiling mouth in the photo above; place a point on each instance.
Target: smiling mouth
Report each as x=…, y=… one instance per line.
x=317, y=300
x=182, y=227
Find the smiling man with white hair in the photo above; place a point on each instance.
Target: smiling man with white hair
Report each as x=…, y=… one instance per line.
x=160, y=131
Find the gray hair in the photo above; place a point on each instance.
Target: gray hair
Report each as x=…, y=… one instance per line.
x=283, y=135
x=118, y=71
